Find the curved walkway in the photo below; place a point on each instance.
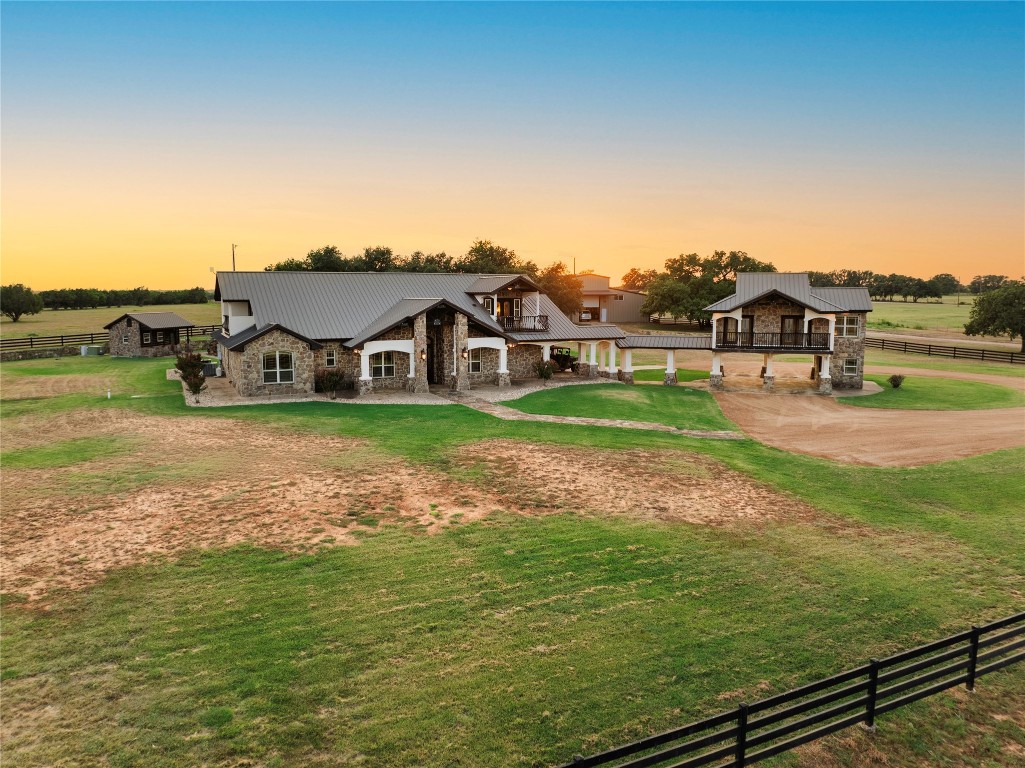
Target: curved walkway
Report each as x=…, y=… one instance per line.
x=510, y=414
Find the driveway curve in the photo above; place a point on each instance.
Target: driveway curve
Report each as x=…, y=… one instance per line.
x=820, y=426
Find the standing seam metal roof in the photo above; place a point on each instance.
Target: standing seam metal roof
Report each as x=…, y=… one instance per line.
x=752, y=286
x=155, y=320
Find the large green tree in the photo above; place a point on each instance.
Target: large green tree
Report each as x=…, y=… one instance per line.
x=18, y=300
x=487, y=258
x=998, y=312
x=562, y=287
x=639, y=280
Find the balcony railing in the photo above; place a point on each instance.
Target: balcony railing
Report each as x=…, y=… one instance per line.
x=819, y=342
x=524, y=323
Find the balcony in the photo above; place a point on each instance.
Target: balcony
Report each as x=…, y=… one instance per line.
x=748, y=341
x=524, y=323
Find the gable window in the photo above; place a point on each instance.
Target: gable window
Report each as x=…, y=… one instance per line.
x=850, y=366
x=382, y=365
x=278, y=368
x=847, y=325
x=145, y=337
x=329, y=358
x=475, y=366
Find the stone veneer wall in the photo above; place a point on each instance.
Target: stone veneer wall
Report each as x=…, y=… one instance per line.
x=244, y=369
x=523, y=360
x=845, y=347
x=768, y=313
x=119, y=348
x=346, y=360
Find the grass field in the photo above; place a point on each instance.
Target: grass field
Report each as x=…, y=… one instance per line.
x=52, y=322
x=512, y=639
x=931, y=394
x=945, y=315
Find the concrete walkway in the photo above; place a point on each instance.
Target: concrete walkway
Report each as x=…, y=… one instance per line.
x=509, y=414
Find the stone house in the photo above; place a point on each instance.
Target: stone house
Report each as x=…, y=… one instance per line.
x=782, y=313
x=146, y=334
x=392, y=330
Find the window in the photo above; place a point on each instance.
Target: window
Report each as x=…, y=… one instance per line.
x=475, y=366
x=847, y=325
x=125, y=339
x=278, y=368
x=850, y=366
x=382, y=365
x=329, y=358
x=617, y=297
x=516, y=307
x=145, y=337
x=489, y=304
x=160, y=336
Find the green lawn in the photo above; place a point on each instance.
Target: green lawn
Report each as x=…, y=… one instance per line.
x=513, y=640
x=53, y=322
x=946, y=315
x=658, y=374
x=923, y=393
x=679, y=406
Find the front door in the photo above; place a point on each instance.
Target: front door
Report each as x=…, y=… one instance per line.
x=434, y=358
x=790, y=330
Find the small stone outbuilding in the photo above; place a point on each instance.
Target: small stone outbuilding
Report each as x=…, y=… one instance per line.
x=147, y=334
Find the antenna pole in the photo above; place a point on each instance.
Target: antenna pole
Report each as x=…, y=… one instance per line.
x=233, y=257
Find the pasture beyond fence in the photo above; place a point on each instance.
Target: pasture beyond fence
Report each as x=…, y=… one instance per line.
x=754, y=732
x=73, y=339
x=938, y=350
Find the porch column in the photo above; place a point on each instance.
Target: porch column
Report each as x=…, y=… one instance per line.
x=714, y=323
x=503, y=367
x=546, y=352
x=461, y=376
x=592, y=365
x=626, y=374
x=613, y=373
x=715, y=376
x=769, y=380
x=418, y=359
x=825, y=382
x=365, y=384
x=537, y=302
x=670, y=378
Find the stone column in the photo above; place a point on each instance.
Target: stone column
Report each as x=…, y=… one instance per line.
x=626, y=374
x=670, y=378
x=418, y=383
x=825, y=380
x=365, y=385
x=461, y=378
x=715, y=376
x=503, y=378
x=769, y=379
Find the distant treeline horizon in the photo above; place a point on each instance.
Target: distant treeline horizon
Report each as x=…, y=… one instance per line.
x=92, y=298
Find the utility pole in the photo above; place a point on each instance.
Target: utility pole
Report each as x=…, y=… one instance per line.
x=233, y=246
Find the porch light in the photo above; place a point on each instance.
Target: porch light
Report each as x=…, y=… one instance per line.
x=436, y=321
x=465, y=353
x=423, y=354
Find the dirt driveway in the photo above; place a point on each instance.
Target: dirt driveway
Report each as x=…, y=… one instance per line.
x=820, y=426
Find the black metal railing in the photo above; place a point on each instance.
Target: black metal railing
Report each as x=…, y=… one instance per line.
x=754, y=732
x=524, y=323
x=752, y=340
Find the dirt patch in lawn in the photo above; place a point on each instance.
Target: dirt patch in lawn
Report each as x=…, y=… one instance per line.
x=21, y=387
x=819, y=426
x=209, y=482
x=662, y=485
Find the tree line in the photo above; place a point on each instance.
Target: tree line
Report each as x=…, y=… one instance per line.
x=18, y=300
x=483, y=257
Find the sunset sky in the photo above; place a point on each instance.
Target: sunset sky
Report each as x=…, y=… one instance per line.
x=139, y=141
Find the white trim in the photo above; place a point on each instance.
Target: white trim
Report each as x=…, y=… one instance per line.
x=391, y=345
x=330, y=358
x=491, y=342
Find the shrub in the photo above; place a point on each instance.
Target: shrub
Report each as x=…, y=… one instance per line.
x=545, y=369
x=195, y=382
x=329, y=380
x=189, y=364
x=896, y=380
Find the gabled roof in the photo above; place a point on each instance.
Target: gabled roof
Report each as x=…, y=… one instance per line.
x=157, y=321
x=407, y=309
x=238, y=341
x=753, y=286
x=488, y=284
x=344, y=305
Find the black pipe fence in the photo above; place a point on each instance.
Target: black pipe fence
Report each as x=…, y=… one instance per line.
x=754, y=732
x=99, y=337
x=940, y=350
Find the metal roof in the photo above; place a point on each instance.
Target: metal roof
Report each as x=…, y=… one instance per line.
x=346, y=305
x=752, y=286
x=495, y=283
x=240, y=339
x=155, y=320
x=665, y=341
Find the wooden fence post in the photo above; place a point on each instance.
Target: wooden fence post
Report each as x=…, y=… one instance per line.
x=973, y=658
x=741, y=757
x=873, y=687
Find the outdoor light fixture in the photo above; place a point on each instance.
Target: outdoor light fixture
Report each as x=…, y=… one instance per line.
x=423, y=355
x=436, y=321
x=465, y=353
